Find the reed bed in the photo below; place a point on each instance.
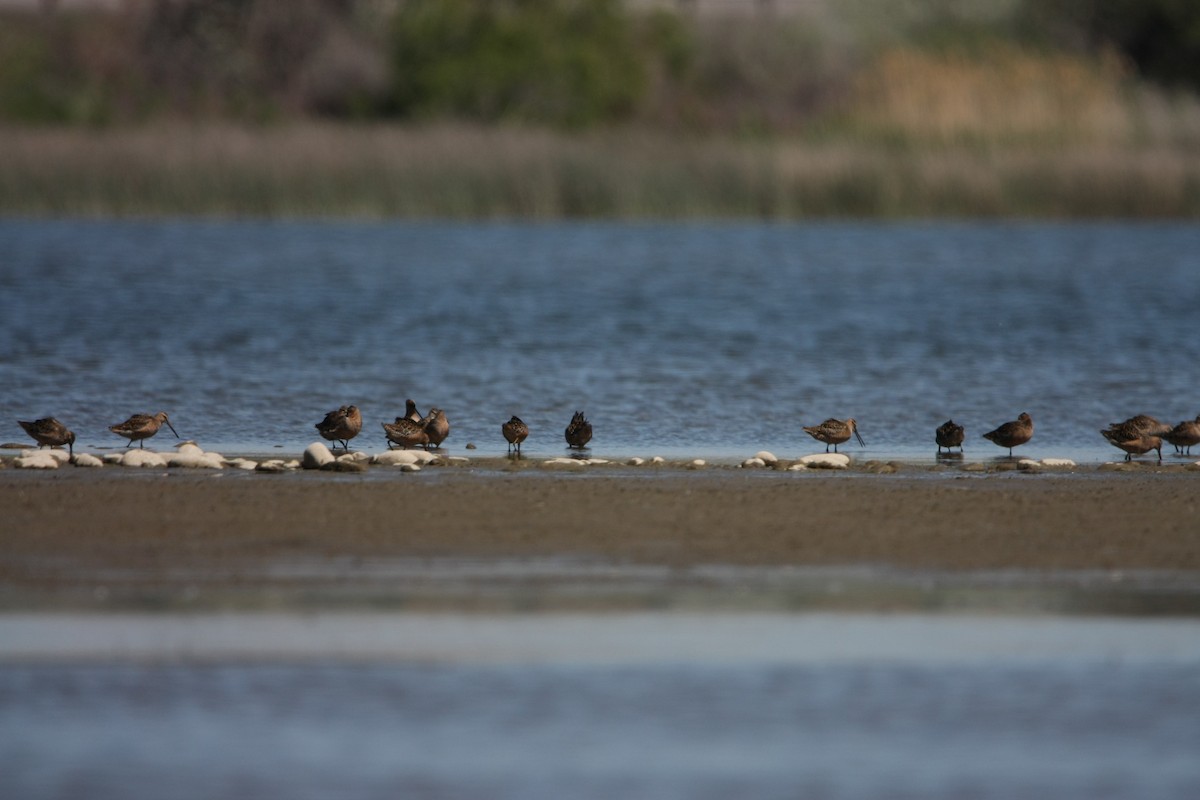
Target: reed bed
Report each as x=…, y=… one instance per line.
x=448, y=171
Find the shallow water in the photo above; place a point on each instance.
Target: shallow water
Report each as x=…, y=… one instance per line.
x=707, y=340
x=609, y=706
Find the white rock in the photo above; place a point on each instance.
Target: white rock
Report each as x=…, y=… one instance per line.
x=87, y=460
x=766, y=456
x=60, y=456
x=1058, y=462
x=697, y=463
x=35, y=460
x=826, y=461
x=797, y=468
x=143, y=458
x=658, y=460
x=635, y=461
x=189, y=448
x=241, y=463
x=396, y=458
x=458, y=459
x=357, y=456
x=113, y=458
x=594, y=461
x=191, y=460
x=292, y=464
x=564, y=462
x=410, y=467
x=751, y=463
x=316, y=455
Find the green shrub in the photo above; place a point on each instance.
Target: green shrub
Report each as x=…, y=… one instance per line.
x=562, y=62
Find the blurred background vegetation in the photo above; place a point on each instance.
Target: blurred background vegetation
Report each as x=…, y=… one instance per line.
x=550, y=108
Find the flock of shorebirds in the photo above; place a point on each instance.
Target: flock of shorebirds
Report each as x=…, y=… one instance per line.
x=1136, y=436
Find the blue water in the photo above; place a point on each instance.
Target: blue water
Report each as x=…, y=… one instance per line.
x=700, y=339
x=1085, y=731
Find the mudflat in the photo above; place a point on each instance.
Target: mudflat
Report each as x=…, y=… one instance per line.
x=66, y=535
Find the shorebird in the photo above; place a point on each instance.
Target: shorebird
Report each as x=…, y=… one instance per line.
x=514, y=432
x=1185, y=434
x=140, y=427
x=1143, y=424
x=1012, y=434
x=341, y=425
x=949, y=435
x=579, y=431
x=50, y=432
x=410, y=410
x=406, y=433
x=834, y=432
x=1132, y=440
x=436, y=426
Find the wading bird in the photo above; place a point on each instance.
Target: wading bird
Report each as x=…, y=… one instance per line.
x=140, y=427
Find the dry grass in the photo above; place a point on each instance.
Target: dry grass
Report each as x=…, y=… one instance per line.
x=463, y=172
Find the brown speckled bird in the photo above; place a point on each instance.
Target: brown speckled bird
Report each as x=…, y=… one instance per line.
x=341, y=425
x=1185, y=434
x=50, y=432
x=515, y=431
x=579, y=431
x=437, y=427
x=835, y=432
x=949, y=435
x=1012, y=434
x=1132, y=440
x=140, y=427
x=406, y=433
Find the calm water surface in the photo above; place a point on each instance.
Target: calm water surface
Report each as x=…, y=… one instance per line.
x=714, y=340
x=1088, y=731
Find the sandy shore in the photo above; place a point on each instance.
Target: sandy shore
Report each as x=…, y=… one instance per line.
x=147, y=539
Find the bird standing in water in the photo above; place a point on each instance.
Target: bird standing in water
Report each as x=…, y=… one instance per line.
x=437, y=427
x=140, y=427
x=1012, y=434
x=406, y=433
x=834, y=432
x=515, y=431
x=949, y=435
x=1133, y=440
x=341, y=425
x=1185, y=434
x=579, y=431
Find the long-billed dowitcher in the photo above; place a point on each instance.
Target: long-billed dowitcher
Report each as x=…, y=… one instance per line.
x=341, y=425
x=515, y=431
x=579, y=431
x=140, y=427
x=949, y=435
x=406, y=433
x=50, y=432
x=437, y=427
x=1185, y=434
x=834, y=432
x=1012, y=434
x=1132, y=440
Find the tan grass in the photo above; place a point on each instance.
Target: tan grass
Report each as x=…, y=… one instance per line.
x=451, y=171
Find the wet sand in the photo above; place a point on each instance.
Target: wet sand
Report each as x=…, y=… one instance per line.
x=75, y=539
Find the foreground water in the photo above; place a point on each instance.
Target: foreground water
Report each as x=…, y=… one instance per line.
x=650, y=705
x=708, y=340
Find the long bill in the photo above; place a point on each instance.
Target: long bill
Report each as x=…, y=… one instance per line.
x=172, y=427
x=861, y=443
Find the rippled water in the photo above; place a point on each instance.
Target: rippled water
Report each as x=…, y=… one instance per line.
x=716, y=339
